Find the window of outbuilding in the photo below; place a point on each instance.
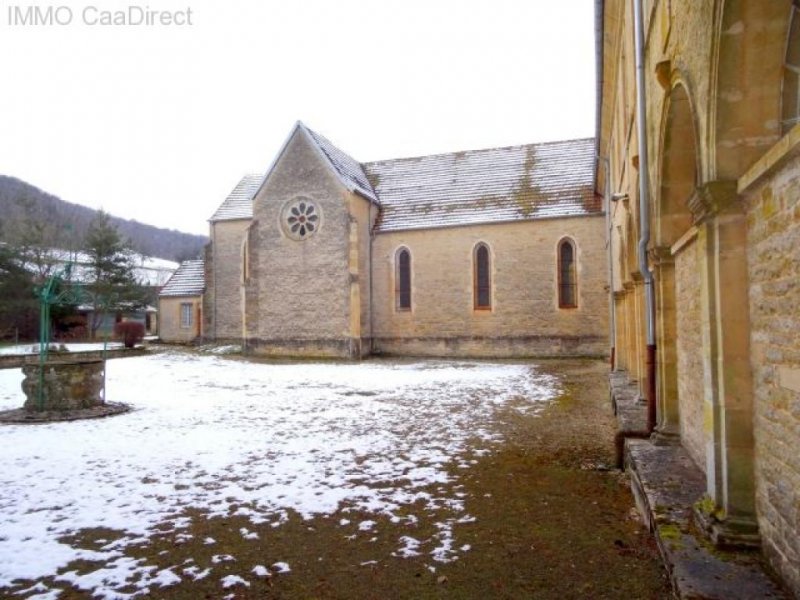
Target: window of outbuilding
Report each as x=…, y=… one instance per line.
x=791, y=72
x=567, y=277
x=402, y=288
x=187, y=315
x=482, y=278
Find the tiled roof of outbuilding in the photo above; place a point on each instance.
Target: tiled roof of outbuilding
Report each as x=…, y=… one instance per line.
x=349, y=170
x=188, y=280
x=239, y=203
x=533, y=181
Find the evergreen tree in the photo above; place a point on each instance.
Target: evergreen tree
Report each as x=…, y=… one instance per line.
x=111, y=278
x=18, y=304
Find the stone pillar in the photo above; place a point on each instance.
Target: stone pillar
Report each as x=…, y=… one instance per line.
x=728, y=384
x=639, y=333
x=355, y=292
x=668, y=420
x=620, y=343
x=630, y=328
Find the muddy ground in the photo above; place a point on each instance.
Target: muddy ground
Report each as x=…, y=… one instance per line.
x=551, y=520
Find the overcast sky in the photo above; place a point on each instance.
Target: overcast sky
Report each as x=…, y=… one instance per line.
x=158, y=123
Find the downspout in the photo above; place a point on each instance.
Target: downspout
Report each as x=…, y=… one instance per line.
x=214, y=268
x=599, y=10
x=371, y=313
x=612, y=313
x=644, y=215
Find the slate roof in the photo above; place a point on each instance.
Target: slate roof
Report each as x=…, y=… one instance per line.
x=239, y=203
x=516, y=183
x=188, y=280
x=533, y=181
x=349, y=170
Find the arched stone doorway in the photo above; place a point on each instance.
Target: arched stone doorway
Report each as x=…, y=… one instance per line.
x=680, y=399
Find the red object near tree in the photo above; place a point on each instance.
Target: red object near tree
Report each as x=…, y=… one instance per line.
x=131, y=332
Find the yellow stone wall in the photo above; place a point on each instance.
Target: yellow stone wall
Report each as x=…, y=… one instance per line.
x=525, y=318
x=773, y=211
x=713, y=71
x=169, y=319
x=690, y=356
x=224, y=289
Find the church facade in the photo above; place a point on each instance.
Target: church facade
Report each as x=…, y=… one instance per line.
x=495, y=253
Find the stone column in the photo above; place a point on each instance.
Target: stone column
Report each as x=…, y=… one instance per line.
x=639, y=333
x=355, y=292
x=668, y=420
x=728, y=384
x=620, y=343
x=630, y=328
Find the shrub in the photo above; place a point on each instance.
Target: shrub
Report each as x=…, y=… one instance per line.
x=131, y=332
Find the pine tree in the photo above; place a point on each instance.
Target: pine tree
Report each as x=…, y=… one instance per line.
x=111, y=278
x=18, y=305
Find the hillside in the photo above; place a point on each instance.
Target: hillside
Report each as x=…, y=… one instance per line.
x=146, y=239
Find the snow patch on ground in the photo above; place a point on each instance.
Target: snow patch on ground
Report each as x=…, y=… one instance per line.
x=210, y=432
x=281, y=567
x=232, y=580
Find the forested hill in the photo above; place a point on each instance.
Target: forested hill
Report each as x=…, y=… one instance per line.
x=146, y=239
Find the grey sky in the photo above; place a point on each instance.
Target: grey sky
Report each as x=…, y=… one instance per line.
x=159, y=123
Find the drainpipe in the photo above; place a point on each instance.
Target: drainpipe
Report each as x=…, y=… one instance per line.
x=644, y=215
x=612, y=315
x=371, y=303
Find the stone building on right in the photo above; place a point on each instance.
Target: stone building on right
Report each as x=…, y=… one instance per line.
x=699, y=159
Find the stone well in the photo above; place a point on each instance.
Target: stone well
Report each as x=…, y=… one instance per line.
x=69, y=384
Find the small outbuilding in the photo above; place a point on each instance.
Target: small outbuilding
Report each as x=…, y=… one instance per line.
x=180, y=304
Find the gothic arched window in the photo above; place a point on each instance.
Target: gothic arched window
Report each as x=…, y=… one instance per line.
x=482, y=278
x=402, y=286
x=567, y=275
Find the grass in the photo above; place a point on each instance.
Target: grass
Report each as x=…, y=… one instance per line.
x=550, y=521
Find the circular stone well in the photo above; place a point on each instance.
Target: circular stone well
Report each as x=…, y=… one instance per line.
x=69, y=384
x=73, y=390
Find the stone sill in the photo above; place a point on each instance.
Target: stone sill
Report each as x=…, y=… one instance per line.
x=787, y=147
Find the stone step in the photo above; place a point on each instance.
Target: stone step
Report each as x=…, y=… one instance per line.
x=666, y=484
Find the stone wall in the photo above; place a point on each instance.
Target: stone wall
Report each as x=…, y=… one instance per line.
x=713, y=78
x=524, y=319
x=774, y=270
x=224, y=290
x=303, y=287
x=169, y=324
x=690, y=353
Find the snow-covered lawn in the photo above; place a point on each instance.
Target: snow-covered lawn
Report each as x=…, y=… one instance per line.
x=213, y=433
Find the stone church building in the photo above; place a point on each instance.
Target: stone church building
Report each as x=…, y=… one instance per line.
x=495, y=252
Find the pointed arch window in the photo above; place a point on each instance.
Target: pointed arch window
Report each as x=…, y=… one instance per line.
x=482, y=278
x=567, y=275
x=791, y=71
x=402, y=288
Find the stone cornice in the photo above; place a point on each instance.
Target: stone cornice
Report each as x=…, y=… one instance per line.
x=713, y=198
x=661, y=256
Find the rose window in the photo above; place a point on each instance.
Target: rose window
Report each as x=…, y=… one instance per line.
x=301, y=219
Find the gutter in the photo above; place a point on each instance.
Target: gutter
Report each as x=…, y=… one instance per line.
x=644, y=214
